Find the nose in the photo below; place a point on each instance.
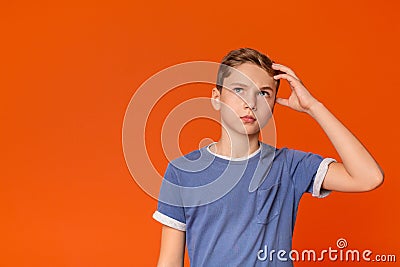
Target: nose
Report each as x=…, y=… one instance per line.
x=250, y=102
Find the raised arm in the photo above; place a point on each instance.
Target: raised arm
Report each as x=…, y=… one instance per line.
x=359, y=171
x=172, y=250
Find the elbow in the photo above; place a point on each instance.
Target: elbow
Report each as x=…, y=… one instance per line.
x=375, y=181
x=380, y=177
x=378, y=182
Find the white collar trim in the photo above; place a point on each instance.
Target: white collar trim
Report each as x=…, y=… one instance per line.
x=234, y=159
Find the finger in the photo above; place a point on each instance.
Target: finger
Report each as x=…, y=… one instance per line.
x=284, y=69
x=292, y=80
x=283, y=102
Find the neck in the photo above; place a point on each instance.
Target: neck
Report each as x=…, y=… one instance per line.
x=235, y=145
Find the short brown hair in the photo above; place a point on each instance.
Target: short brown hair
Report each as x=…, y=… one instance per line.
x=244, y=55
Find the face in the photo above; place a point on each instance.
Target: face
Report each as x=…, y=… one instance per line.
x=247, y=99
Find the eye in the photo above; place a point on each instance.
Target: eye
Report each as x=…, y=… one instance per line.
x=237, y=89
x=265, y=93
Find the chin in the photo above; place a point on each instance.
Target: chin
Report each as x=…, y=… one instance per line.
x=250, y=131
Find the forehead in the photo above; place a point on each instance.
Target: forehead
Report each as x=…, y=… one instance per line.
x=250, y=74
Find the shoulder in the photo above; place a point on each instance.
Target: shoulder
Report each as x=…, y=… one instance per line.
x=191, y=156
x=193, y=161
x=293, y=154
x=278, y=153
x=288, y=155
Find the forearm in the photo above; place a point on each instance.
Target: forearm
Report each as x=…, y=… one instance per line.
x=169, y=264
x=172, y=249
x=357, y=161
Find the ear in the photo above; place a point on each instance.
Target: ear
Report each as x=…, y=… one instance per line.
x=215, y=99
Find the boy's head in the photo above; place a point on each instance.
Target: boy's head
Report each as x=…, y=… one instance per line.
x=244, y=55
x=245, y=91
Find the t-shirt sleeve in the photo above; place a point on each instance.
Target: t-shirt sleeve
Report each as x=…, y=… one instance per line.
x=170, y=210
x=308, y=171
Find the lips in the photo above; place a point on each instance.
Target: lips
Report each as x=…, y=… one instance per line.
x=248, y=119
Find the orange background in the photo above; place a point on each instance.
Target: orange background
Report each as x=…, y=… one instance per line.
x=68, y=72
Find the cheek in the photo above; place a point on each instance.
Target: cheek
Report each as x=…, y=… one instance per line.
x=231, y=105
x=266, y=104
x=228, y=113
x=232, y=99
x=264, y=117
x=264, y=114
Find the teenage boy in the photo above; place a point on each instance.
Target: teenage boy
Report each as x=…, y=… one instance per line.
x=257, y=206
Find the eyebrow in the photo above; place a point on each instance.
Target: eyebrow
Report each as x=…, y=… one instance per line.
x=245, y=85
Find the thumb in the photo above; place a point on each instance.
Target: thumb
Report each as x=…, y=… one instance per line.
x=283, y=102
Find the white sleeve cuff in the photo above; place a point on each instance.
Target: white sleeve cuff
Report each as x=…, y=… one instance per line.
x=319, y=178
x=168, y=221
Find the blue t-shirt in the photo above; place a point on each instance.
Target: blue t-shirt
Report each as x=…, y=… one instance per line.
x=235, y=212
